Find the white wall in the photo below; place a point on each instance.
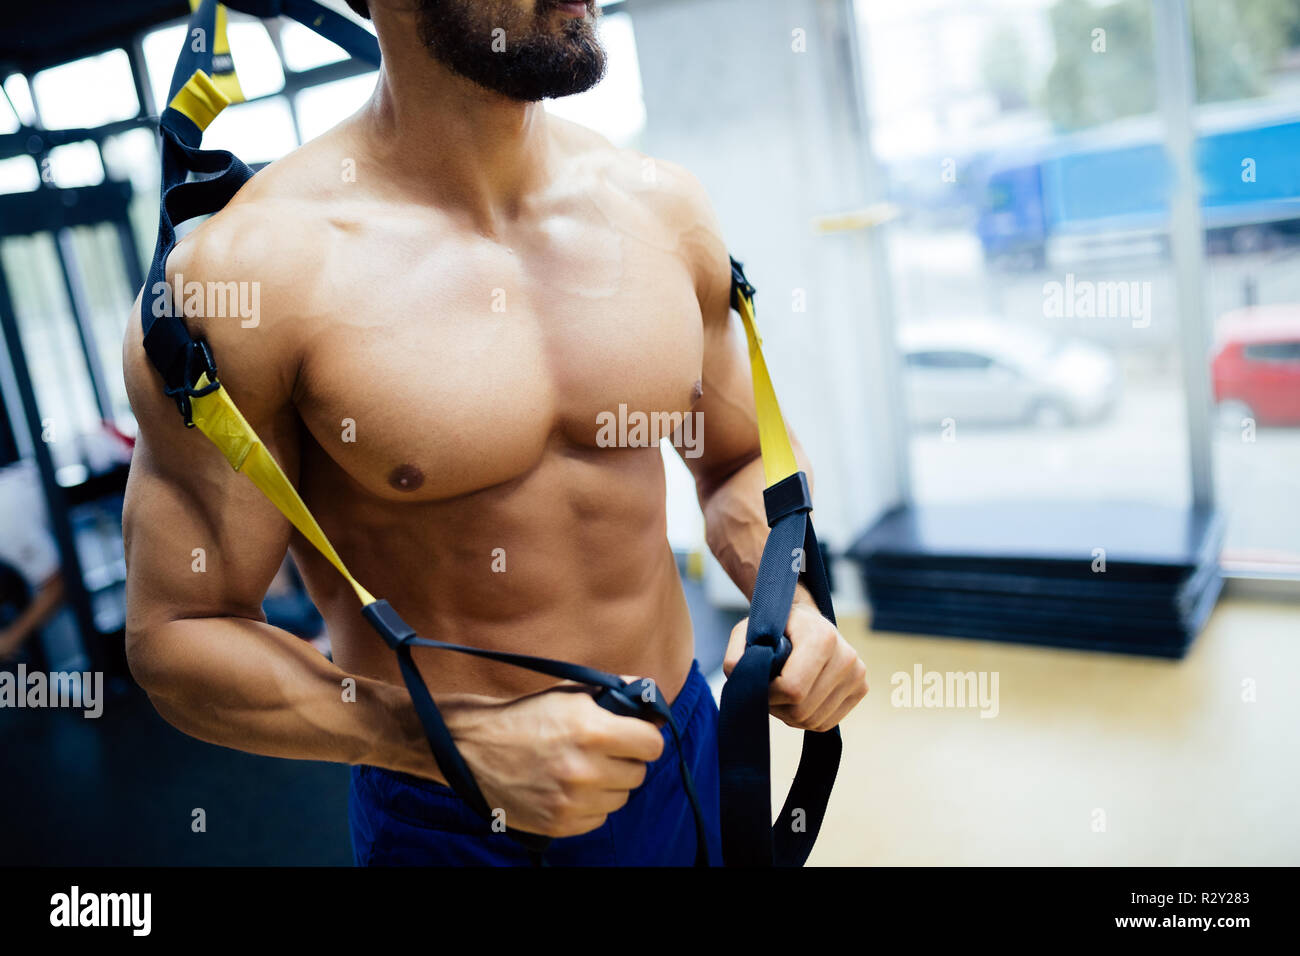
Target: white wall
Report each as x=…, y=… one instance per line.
x=774, y=135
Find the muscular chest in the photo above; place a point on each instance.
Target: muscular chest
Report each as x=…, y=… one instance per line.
x=454, y=373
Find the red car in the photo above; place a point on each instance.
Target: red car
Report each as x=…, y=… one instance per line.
x=1256, y=365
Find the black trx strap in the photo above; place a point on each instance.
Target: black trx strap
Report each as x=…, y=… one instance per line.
x=749, y=838
x=197, y=182
x=624, y=698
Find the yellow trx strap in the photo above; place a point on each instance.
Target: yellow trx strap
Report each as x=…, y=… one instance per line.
x=200, y=100
x=774, y=441
x=204, y=96
x=223, y=64
x=216, y=415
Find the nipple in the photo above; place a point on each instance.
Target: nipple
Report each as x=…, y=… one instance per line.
x=406, y=478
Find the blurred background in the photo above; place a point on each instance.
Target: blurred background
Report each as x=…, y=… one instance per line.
x=1029, y=282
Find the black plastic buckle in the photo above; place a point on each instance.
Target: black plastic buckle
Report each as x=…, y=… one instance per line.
x=787, y=496
x=198, y=360
x=388, y=623
x=626, y=701
x=740, y=285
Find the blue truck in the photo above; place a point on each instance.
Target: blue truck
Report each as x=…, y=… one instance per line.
x=1112, y=183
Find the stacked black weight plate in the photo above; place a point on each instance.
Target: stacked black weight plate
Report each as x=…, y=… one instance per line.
x=1130, y=578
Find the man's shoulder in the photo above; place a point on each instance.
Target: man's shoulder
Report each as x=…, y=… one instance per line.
x=272, y=227
x=664, y=193
x=249, y=277
x=665, y=187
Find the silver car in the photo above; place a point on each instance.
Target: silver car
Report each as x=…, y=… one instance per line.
x=989, y=372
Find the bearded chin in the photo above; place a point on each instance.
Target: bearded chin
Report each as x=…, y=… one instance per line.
x=522, y=65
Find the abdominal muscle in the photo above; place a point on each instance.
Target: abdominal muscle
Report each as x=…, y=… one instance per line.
x=568, y=561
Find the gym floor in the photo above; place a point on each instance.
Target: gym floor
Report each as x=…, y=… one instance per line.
x=1092, y=759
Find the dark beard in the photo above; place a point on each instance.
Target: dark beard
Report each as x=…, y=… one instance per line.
x=531, y=62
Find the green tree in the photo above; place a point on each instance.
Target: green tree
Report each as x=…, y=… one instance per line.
x=1237, y=44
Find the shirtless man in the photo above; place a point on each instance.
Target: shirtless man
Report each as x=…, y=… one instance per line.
x=438, y=337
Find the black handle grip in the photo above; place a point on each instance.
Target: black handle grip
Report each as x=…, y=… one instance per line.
x=617, y=702
x=783, y=649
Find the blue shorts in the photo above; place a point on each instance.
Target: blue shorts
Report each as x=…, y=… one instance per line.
x=400, y=820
